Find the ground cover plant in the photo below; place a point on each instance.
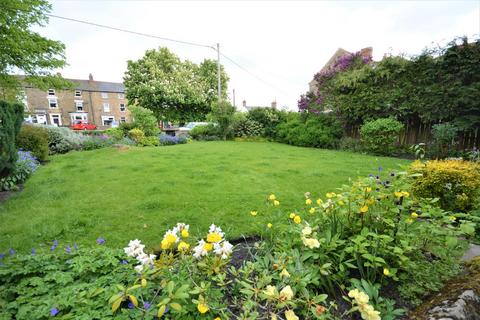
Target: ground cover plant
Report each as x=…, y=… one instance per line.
x=119, y=193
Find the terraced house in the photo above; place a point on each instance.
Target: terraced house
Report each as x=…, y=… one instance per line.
x=98, y=102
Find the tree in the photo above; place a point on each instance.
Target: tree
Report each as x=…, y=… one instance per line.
x=26, y=51
x=145, y=120
x=173, y=89
x=208, y=70
x=222, y=115
x=11, y=118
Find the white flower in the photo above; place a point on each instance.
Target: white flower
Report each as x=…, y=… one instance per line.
x=139, y=268
x=214, y=228
x=307, y=231
x=223, y=249
x=134, y=249
x=200, y=250
x=146, y=259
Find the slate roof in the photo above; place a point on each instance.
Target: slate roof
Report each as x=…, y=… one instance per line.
x=102, y=86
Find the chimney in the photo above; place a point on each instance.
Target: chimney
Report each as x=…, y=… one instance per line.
x=244, y=103
x=274, y=104
x=90, y=77
x=366, y=52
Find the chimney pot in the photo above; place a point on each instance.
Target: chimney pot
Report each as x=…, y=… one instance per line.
x=90, y=77
x=244, y=103
x=274, y=104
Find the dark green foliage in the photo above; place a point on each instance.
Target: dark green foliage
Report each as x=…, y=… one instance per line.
x=34, y=139
x=444, y=135
x=268, y=118
x=320, y=131
x=126, y=127
x=222, y=115
x=11, y=118
x=209, y=132
x=379, y=136
x=246, y=127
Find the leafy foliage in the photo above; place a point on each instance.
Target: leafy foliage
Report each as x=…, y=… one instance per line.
x=34, y=139
x=11, y=118
x=379, y=136
x=145, y=120
x=222, y=116
x=206, y=132
x=25, y=165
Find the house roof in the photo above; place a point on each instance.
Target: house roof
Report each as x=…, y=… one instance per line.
x=93, y=85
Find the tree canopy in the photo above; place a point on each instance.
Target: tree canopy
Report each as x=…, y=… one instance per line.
x=26, y=51
x=173, y=89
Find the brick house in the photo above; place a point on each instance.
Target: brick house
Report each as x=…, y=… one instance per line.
x=98, y=102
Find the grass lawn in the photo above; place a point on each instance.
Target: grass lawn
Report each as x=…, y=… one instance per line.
x=139, y=193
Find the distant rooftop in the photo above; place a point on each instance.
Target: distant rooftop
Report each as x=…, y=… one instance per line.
x=93, y=85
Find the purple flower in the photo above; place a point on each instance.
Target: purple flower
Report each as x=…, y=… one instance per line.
x=33, y=251
x=11, y=251
x=124, y=262
x=52, y=248
x=54, y=312
x=68, y=249
x=131, y=305
x=75, y=247
x=2, y=255
x=100, y=240
x=55, y=242
x=146, y=305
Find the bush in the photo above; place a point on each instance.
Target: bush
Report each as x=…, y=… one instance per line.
x=268, y=118
x=136, y=135
x=63, y=140
x=145, y=120
x=455, y=182
x=350, y=144
x=245, y=127
x=115, y=133
x=126, y=127
x=34, y=139
x=379, y=136
x=11, y=118
x=444, y=135
x=97, y=142
x=208, y=132
x=25, y=165
x=168, y=140
x=320, y=131
x=150, y=141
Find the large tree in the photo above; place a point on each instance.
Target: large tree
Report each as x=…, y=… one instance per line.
x=25, y=51
x=173, y=89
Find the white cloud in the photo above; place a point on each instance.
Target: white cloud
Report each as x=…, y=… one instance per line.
x=282, y=42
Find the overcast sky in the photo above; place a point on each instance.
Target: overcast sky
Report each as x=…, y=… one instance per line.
x=281, y=42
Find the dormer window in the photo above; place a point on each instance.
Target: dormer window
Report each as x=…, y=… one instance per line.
x=52, y=102
x=104, y=95
x=78, y=93
x=51, y=92
x=121, y=96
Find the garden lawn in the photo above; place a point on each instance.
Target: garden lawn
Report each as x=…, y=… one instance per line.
x=140, y=192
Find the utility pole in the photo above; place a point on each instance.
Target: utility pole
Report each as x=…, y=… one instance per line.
x=218, y=75
x=234, y=98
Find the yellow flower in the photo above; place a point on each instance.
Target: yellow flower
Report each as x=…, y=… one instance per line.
x=319, y=201
x=273, y=316
x=341, y=203
x=308, y=202
x=370, y=201
x=284, y=273
x=272, y=197
x=217, y=318
x=414, y=215
x=368, y=189
x=208, y=246
x=171, y=238
x=330, y=195
x=386, y=272
x=286, y=293
x=398, y=194
x=214, y=237
x=202, y=308
x=290, y=315
x=183, y=246
x=311, y=242
x=409, y=220
x=253, y=213
x=292, y=215
x=307, y=231
x=270, y=291
x=359, y=296
x=452, y=218
x=297, y=219
x=165, y=244
x=312, y=210
x=269, y=225
x=364, y=209
x=185, y=233
x=406, y=194
x=276, y=203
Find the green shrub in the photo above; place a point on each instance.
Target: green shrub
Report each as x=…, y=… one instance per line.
x=126, y=127
x=115, y=133
x=97, y=142
x=455, y=182
x=151, y=141
x=136, y=135
x=25, y=165
x=268, y=118
x=379, y=136
x=11, y=118
x=319, y=131
x=63, y=140
x=207, y=132
x=245, y=127
x=350, y=144
x=34, y=139
x=444, y=135
x=145, y=120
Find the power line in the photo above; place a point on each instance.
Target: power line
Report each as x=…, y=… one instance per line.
x=172, y=40
x=131, y=32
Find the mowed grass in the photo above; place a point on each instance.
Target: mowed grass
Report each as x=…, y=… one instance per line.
x=141, y=192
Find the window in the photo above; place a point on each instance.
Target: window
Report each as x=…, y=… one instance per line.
x=123, y=119
x=104, y=95
x=107, y=120
x=52, y=102
x=106, y=107
x=78, y=117
x=78, y=93
x=122, y=107
x=79, y=105
x=55, y=119
x=51, y=92
x=121, y=96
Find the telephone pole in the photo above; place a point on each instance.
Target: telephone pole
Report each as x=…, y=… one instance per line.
x=218, y=75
